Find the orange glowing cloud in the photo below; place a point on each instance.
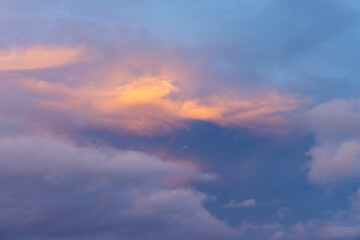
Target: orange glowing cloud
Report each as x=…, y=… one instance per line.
x=139, y=104
x=148, y=91
x=39, y=57
x=228, y=109
x=148, y=105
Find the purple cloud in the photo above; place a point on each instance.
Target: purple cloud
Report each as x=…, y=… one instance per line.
x=73, y=191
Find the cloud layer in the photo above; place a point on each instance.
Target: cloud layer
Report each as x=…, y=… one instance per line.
x=167, y=119
x=65, y=190
x=141, y=105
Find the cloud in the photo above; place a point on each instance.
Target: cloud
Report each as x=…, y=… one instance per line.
x=245, y=204
x=62, y=157
x=262, y=231
x=340, y=224
x=277, y=235
x=231, y=110
x=239, y=60
x=340, y=232
x=142, y=106
x=337, y=153
x=52, y=188
x=331, y=162
x=39, y=57
x=336, y=119
x=355, y=201
x=283, y=213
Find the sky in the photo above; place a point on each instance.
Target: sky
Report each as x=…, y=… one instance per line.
x=196, y=120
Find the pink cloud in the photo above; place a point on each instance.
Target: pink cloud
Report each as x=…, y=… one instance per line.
x=39, y=57
x=336, y=126
x=144, y=106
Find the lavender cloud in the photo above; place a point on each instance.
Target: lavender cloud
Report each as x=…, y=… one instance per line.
x=65, y=190
x=336, y=155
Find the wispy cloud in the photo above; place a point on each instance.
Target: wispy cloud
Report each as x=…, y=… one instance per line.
x=150, y=105
x=39, y=57
x=245, y=204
